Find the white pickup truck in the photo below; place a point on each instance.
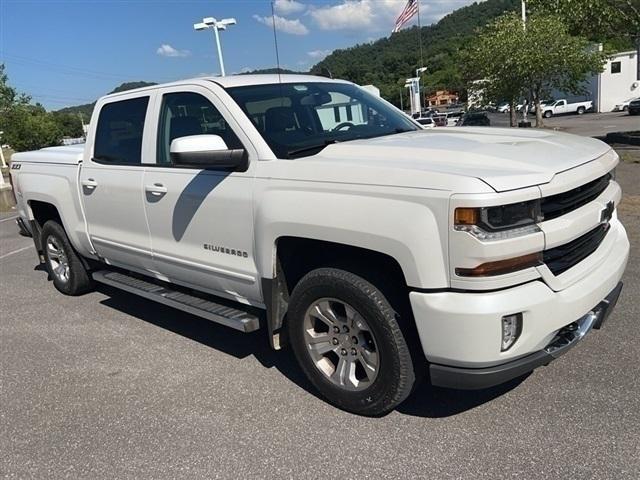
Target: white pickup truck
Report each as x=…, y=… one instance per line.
x=311, y=209
x=561, y=107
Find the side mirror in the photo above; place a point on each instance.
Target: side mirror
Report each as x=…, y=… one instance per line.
x=206, y=151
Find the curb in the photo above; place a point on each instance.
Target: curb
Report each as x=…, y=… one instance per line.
x=627, y=138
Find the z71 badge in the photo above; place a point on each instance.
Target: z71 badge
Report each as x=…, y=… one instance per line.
x=225, y=250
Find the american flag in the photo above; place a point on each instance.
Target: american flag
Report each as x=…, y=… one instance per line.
x=410, y=9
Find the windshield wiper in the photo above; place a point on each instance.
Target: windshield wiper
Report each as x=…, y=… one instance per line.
x=310, y=148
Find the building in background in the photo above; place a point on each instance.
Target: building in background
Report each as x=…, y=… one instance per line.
x=442, y=98
x=618, y=82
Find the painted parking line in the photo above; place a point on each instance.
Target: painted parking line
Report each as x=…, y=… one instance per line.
x=8, y=218
x=15, y=251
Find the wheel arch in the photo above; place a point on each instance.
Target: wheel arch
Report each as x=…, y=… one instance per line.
x=295, y=256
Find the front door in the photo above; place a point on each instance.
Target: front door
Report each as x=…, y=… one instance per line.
x=111, y=185
x=200, y=220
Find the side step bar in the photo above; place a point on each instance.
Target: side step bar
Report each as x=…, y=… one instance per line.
x=231, y=317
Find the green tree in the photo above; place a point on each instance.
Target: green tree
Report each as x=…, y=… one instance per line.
x=491, y=63
x=70, y=125
x=613, y=22
x=510, y=60
x=25, y=126
x=29, y=127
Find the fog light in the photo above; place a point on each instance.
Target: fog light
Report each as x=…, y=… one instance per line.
x=511, y=328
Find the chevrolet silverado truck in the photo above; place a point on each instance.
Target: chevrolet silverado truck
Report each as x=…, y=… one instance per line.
x=561, y=107
x=379, y=251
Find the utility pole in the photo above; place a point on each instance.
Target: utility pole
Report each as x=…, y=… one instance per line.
x=210, y=22
x=525, y=106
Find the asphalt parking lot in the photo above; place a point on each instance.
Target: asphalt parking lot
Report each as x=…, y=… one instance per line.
x=109, y=385
x=589, y=124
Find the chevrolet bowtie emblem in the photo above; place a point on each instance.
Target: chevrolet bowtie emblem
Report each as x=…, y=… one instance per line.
x=607, y=213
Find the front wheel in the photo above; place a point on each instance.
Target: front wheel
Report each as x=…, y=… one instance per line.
x=348, y=342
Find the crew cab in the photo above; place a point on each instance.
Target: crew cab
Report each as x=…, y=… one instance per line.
x=561, y=107
x=379, y=251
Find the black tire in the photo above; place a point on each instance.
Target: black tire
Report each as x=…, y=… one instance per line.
x=548, y=114
x=625, y=108
x=581, y=110
x=395, y=374
x=79, y=281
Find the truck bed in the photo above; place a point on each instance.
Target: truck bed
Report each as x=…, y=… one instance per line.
x=69, y=155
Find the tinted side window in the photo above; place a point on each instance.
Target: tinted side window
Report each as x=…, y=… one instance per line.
x=187, y=113
x=119, y=132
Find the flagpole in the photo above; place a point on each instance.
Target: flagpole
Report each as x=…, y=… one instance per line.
x=420, y=35
x=420, y=44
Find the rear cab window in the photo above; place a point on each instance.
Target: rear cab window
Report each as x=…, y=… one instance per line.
x=119, y=132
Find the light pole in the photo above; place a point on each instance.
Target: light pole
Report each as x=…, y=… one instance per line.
x=210, y=22
x=525, y=106
x=419, y=71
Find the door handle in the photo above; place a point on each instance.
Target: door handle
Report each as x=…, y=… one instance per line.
x=156, y=189
x=89, y=183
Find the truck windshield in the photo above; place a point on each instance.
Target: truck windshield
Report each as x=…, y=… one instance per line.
x=300, y=119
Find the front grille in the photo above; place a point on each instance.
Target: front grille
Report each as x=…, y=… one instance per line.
x=565, y=202
x=562, y=258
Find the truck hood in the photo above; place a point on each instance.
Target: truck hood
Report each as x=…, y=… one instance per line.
x=505, y=159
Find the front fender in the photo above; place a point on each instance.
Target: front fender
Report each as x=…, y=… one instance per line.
x=399, y=222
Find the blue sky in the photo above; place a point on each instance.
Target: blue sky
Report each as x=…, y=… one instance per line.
x=67, y=52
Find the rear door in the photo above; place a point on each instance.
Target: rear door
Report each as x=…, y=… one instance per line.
x=201, y=220
x=111, y=183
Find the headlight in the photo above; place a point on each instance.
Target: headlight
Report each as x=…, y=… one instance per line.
x=501, y=222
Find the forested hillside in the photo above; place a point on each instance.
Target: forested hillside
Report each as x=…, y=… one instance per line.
x=86, y=109
x=387, y=62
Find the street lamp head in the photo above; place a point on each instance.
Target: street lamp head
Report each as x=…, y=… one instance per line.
x=200, y=26
x=209, y=21
x=227, y=21
x=421, y=70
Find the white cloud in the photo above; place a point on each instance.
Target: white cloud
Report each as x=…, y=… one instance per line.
x=378, y=15
x=318, y=54
x=288, y=7
x=348, y=15
x=166, y=50
x=293, y=27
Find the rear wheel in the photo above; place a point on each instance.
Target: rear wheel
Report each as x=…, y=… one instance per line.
x=63, y=263
x=581, y=110
x=347, y=339
x=547, y=114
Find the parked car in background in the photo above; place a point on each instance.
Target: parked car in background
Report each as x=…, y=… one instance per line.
x=454, y=117
x=503, y=108
x=474, y=119
x=624, y=106
x=561, y=107
x=634, y=107
x=440, y=120
x=426, y=122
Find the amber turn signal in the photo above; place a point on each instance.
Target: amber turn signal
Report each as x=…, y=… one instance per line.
x=501, y=266
x=466, y=216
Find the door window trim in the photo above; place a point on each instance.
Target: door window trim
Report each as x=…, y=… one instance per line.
x=149, y=95
x=217, y=104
